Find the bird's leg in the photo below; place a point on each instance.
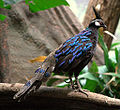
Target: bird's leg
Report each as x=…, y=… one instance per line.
x=72, y=84
x=79, y=87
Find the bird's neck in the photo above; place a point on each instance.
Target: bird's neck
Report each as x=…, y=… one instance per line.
x=94, y=35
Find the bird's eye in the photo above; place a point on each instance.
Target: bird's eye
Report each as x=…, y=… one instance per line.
x=101, y=23
x=97, y=23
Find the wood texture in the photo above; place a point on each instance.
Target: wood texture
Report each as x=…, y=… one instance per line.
x=109, y=11
x=4, y=51
x=49, y=98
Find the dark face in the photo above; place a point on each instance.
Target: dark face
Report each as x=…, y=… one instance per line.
x=97, y=23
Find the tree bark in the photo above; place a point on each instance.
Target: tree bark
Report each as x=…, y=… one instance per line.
x=4, y=51
x=49, y=98
x=109, y=11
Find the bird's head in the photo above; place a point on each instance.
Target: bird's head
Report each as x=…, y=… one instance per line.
x=98, y=21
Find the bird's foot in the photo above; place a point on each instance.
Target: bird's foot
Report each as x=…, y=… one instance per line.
x=78, y=87
x=82, y=91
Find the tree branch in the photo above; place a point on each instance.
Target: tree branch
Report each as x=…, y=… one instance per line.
x=56, y=98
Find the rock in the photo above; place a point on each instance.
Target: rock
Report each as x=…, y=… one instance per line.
x=36, y=34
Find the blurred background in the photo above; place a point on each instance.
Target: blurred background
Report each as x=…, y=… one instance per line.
x=79, y=8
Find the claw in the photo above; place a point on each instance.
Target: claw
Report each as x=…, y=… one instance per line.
x=79, y=87
x=82, y=91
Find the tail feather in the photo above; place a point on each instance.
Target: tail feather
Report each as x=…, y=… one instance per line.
x=33, y=84
x=30, y=86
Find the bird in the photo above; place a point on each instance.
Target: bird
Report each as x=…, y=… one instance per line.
x=70, y=57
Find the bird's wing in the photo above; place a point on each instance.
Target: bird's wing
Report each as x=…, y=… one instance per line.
x=74, y=48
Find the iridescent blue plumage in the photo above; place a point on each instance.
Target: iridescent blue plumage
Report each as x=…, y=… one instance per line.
x=42, y=71
x=74, y=47
x=39, y=70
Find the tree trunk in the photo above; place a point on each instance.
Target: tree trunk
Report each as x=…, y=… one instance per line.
x=109, y=11
x=4, y=51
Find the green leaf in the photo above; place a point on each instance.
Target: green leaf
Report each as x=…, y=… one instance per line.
x=108, y=62
x=118, y=60
x=89, y=76
x=2, y=17
x=112, y=56
x=8, y=7
x=102, y=69
x=86, y=75
x=92, y=81
x=114, y=44
x=90, y=85
x=85, y=69
x=116, y=54
x=1, y=4
x=103, y=45
x=51, y=81
x=117, y=80
x=27, y=2
x=39, y=5
x=52, y=74
x=64, y=84
x=94, y=68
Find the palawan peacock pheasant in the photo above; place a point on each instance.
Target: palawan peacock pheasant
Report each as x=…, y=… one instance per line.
x=70, y=57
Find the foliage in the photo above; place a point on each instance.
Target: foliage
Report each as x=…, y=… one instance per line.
x=103, y=79
x=114, y=45
x=34, y=5
x=39, y=5
x=2, y=17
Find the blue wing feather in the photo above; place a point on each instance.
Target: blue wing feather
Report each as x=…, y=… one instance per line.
x=74, y=47
x=61, y=63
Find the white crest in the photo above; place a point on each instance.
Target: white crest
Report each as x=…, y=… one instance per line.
x=97, y=23
x=98, y=7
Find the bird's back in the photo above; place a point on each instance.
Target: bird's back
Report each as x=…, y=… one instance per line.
x=75, y=53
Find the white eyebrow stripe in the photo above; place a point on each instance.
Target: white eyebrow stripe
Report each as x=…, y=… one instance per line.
x=97, y=23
